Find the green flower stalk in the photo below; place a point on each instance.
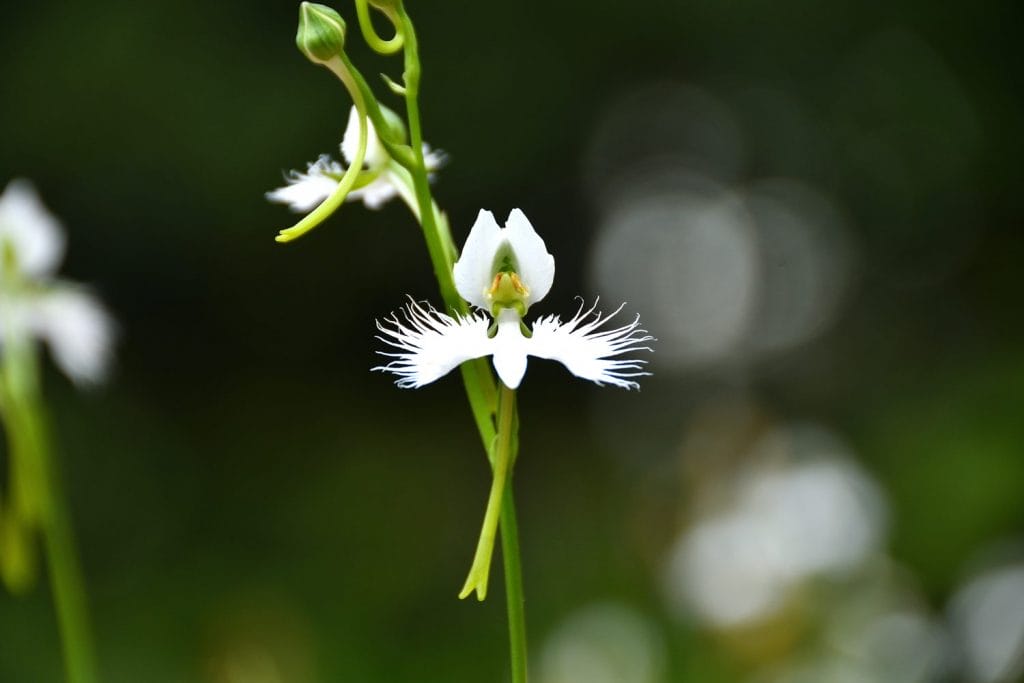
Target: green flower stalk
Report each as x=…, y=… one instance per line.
x=487, y=290
x=36, y=307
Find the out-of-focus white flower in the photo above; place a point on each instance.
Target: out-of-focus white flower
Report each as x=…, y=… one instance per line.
x=988, y=617
x=503, y=271
x=30, y=236
x=788, y=524
x=33, y=303
x=604, y=643
x=381, y=180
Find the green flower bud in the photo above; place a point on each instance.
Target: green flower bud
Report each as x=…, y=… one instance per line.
x=321, y=34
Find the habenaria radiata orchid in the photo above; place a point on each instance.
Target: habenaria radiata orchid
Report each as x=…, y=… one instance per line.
x=503, y=271
x=33, y=303
x=381, y=180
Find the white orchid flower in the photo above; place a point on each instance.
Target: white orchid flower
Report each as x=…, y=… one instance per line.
x=503, y=271
x=33, y=304
x=381, y=181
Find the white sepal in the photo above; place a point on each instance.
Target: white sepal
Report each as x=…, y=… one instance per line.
x=376, y=154
x=78, y=330
x=305, y=191
x=31, y=232
x=430, y=343
x=590, y=352
x=536, y=266
x=474, y=271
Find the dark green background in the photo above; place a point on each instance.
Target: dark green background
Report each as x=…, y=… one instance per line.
x=243, y=484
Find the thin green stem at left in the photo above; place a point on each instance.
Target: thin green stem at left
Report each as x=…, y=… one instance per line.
x=39, y=482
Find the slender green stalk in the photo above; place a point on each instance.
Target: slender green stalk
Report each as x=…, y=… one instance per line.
x=476, y=376
x=328, y=206
x=68, y=588
x=513, y=586
x=504, y=454
x=24, y=419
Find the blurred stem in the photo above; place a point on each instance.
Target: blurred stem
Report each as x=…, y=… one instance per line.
x=24, y=417
x=481, y=389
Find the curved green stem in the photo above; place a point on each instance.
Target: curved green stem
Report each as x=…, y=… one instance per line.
x=378, y=44
x=331, y=204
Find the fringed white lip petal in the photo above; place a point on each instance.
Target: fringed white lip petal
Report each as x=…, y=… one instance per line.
x=305, y=191
x=430, y=344
x=536, y=265
x=32, y=232
x=79, y=331
x=589, y=351
x=475, y=268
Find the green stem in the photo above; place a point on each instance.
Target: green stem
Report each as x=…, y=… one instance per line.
x=513, y=586
x=379, y=45
x=476, y=375
x=23, y=416
x=68, y=588
x=504, y=453
x=342, y=69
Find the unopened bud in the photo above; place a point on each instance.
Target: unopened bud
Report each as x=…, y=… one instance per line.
x=321, y=34
x=396, y=127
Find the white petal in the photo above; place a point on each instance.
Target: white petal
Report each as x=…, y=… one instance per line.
x=475, y=268
x=376, y=193
x=376, y=155
x=536, y=266
x=29, y=230
x=305, y=191
x=589, y=352
x=433, y=159
x=79, y=331
x=431, y=344
x=510, y=349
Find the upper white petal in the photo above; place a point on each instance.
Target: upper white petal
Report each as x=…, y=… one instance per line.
x=536, y=266
x=589, y=352
x=29, y=230
x=79, y=331
x=474, y=270
x=430, y=344
x=376, y=155
x=305, y=191
x=510, y=348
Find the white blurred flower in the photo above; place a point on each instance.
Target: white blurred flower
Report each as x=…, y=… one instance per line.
x=33, y=303
x=604, y=643
x=503, y=271
x=382, y=179
x=787, y=524
x=987, y=615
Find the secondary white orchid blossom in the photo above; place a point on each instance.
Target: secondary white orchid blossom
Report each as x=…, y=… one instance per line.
x=33, y=304
x=503, y=271
x=382, y=180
